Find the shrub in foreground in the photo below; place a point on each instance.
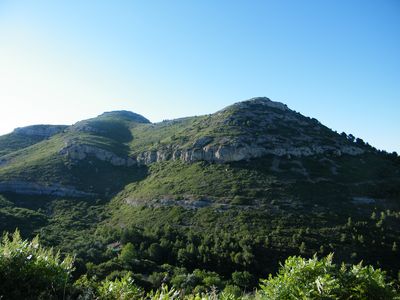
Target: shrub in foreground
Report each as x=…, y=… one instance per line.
x=29, y=271
x=314, y=278
x=120, y=288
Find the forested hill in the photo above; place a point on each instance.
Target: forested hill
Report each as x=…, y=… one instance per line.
x=213, y=200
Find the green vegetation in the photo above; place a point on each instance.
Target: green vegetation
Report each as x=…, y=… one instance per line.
x=42, y=163
x=156, y=136
x=209, y=229
x=300, y=278
x=179, y=180
x=30, y=271
x=12, y=142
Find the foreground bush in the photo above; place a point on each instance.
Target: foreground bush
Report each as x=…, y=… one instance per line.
x=301, y=278
x=28, y=271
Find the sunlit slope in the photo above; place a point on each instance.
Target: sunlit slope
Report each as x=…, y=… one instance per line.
x=26, y=136
x=259, y=123
x=71, y=158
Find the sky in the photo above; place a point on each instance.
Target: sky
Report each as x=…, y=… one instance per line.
x=337, y=61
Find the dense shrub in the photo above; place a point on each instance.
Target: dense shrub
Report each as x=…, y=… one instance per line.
x=119, y=289
x=301, y=278
x=29, y=271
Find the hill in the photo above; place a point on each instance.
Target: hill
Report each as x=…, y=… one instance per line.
x=234, y=191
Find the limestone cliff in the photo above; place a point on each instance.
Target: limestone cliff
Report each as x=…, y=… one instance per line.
x=238, y=152
x=76, y=151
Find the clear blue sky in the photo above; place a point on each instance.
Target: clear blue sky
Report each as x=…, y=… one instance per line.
x=337, y=61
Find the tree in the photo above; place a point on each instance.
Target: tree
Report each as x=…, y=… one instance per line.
x=128, y=254
x=302, y=247
x=343, y=237
x=155, y=252
x=242, y=279
x=349, y=222
x=360, y=142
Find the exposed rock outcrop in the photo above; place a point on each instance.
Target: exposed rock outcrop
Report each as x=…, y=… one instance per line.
x=212, y=153
x=262, y=101
x=81, y=151
x=32, y=188
x=238, y=152
x=45, y=131
x=190, y=204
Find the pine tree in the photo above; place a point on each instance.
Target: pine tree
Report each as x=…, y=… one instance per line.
x=302, y=247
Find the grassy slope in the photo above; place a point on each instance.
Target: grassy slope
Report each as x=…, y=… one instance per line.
x=42, y=162
x=12, y=142
x=178, y=179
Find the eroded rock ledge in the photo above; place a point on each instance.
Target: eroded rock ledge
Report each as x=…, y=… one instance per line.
x=211, y=153
x=232, y=152
x=81, y=151
x=31, y=188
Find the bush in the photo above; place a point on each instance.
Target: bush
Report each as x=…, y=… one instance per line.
x=120, y=288
x=29, y=271
x=240, y=200
x=242, y=279
x=301, y=278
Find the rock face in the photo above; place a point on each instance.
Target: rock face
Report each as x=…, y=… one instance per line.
x=45, y=131
x=31, y=188
x=238, y=152
x=81, y=151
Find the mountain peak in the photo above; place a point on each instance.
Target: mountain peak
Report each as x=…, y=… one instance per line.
x=257, y=103
x=125, y=114
x=263, y=101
